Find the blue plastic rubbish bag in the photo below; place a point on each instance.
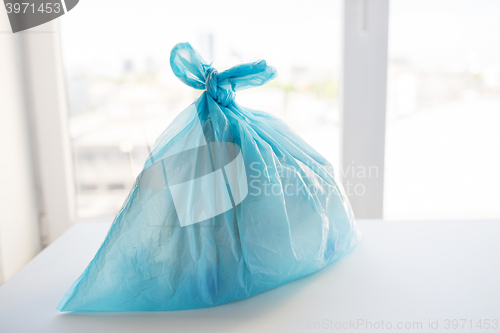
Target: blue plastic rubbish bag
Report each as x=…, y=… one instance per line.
x=230, y=203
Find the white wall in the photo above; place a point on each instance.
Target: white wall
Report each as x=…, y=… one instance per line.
x=19, y=230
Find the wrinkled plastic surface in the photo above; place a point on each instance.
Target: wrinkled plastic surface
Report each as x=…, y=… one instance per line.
x=230, y=203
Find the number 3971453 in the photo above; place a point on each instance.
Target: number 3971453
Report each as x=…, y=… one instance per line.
x=27, y=7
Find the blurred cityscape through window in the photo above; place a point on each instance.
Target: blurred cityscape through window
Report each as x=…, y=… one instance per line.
x=443, y=100
x=443, y=116
x=123, y=94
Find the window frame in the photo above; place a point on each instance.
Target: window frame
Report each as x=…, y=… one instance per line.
x=363, y=103
x=46, y=107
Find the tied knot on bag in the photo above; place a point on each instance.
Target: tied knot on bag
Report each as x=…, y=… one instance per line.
x=220, y=95
x=190, y=68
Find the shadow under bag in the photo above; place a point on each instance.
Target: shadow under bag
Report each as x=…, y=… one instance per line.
x=230, y=203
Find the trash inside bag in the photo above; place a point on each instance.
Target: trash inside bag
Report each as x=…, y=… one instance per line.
x=230, y=203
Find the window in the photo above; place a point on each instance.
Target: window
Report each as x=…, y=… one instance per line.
x=443, y=142
x=122, y=92
x=443, y=92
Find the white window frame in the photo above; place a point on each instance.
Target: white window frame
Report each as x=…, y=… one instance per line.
x=363, y=103
x=47, y=109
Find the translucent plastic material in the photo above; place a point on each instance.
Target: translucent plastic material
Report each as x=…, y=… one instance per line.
x=231, y=203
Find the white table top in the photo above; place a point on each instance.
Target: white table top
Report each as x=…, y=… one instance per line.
x=402, y=273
